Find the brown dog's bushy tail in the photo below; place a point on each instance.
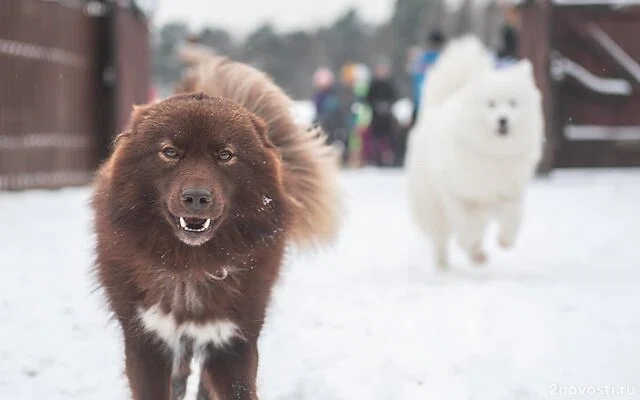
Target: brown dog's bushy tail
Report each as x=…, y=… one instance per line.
x=310, y=165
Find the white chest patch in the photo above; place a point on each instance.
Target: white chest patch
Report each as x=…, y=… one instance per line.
x=219, y=333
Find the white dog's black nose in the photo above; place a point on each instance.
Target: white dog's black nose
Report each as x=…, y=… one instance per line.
x=196, y=199
x=503, y=126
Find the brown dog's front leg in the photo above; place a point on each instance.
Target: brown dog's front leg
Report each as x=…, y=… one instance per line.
x=148, y=369
x=232, y=372
x=181, y=369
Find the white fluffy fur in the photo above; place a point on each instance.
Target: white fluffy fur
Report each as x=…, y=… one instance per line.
x=462, y=171
x=218, y=333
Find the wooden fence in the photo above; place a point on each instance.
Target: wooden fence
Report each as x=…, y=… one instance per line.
x=587, y=61
x=68, y=70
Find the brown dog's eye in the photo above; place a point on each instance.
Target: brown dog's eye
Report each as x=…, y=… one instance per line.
x=225, y=155
x=170, y=152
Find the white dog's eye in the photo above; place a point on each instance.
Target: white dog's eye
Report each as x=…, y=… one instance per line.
x=513, y=103
x=491, y=104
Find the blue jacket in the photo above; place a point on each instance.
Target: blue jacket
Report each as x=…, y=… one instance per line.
x=419, y=72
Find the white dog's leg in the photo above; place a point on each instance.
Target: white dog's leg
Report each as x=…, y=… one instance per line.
x=431, y=216
x=509, y=217
x=440, y=242
x=471, y=238
x=470, y=224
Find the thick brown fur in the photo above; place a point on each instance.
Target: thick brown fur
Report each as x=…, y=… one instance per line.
x=278, y=186
x=309, y=165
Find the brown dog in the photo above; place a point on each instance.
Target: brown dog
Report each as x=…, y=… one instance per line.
x=193, y=211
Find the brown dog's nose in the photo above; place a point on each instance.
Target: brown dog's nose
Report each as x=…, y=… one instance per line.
x=196, y=199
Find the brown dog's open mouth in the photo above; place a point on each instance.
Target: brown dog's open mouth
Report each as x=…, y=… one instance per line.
x=195, y=231
x=194, y=225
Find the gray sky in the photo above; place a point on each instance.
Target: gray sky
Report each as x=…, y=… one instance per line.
x=241, y=16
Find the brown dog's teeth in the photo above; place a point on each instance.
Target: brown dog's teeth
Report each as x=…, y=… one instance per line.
x=200, y=225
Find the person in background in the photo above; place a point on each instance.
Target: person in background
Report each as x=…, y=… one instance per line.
x=347, y=104
x=508, y=53
x=362, y=116
x=421, y=66
x=327, y=103
x=403, y=112
x=381, y=97
x=414, y=70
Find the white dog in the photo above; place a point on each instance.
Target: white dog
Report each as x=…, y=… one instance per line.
x=474, y=148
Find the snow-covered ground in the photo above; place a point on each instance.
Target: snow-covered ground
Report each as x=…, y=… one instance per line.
x=370, y=319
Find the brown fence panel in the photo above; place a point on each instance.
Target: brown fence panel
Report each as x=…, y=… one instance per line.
x=587, y=60
x=598, y=91
x=535, y=43
x=133, y=63
x=47, y=87
x=58, y=109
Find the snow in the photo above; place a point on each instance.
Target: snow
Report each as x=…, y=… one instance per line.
x=370, y=318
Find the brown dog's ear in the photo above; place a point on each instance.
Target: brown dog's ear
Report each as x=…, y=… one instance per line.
x=263, y=130
x=137, y=113
x=126, y=133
